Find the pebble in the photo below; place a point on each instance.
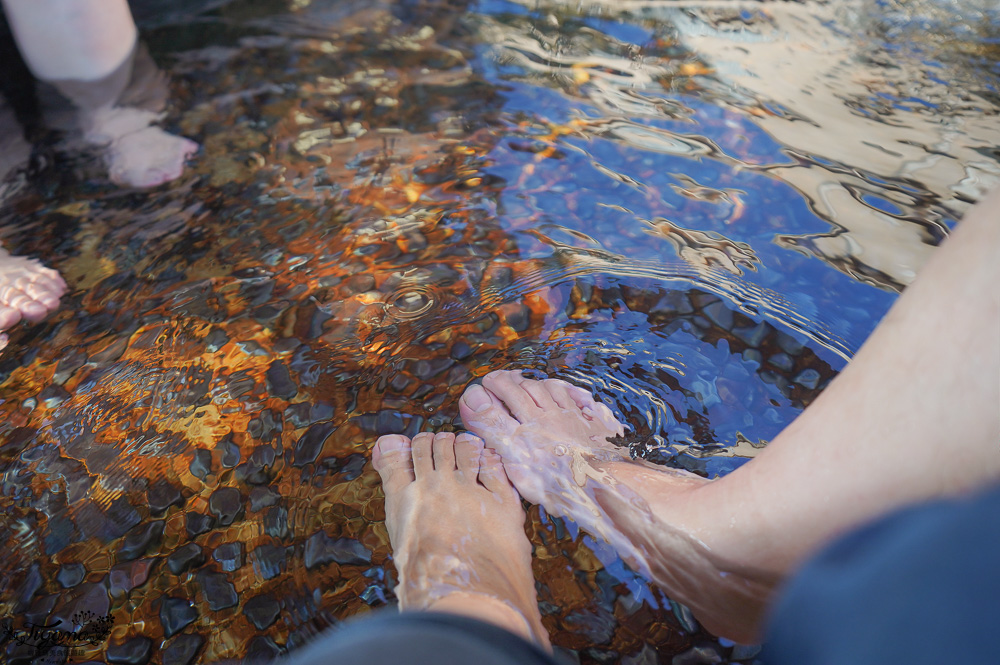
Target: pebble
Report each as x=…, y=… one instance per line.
x=127, y=576
x=719, y=314
x=782, y=361
x=198, y=523
x=230, y=452
x=68, y=364
x=808, y=378
x=321, y=549
x=645, y=656
x=136, y=651
x=699, y=655
x=226, y=503
x=789, y=344
x=309, y=445
x=263, y=497
x=268, y=560
x=276, y=522
x=185, y=557
x=261, y=649
x=744, y=651
x=71, y=574
x=265, y=426
x=201, y=463
x=219, y=593
x=754, y=356
x=297, y=415
x=460, y=350
x=262, y=611
x=182, y=649
x=176, y=614
x=139, y=539
x=161, y=495
x=239, y=385
x=279, y=381
x=353, y=467
x=229, y=556
x=215, y=340
x=754, y=336
x=52, y=396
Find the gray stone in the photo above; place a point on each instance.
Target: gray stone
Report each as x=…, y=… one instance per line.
x=176, y=614
x=309, y=445
x=229, y=556
x=218, y=591
x=139, y=539
x=185, y=558
x=262, y=611
x=182, y=649
x=135, y=651
x=808, y=378
x=226, y=503
x=70, y=574
x=321, y=549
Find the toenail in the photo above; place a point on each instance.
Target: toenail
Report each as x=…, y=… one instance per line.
x=477, y=399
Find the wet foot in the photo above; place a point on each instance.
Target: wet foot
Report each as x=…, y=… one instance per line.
x=456, y=526
x=28, y=290
x=553, y=439
x=138, y=154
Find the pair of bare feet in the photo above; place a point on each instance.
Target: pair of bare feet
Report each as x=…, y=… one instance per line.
x=456, y=523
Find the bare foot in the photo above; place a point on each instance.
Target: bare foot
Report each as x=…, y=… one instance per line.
x=138, y=154
x=28, y=290
x=456, y=526
x=552, y=437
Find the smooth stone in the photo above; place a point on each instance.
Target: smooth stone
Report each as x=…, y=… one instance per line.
x=518, y=317
x=185, y=558
x=53, y=395
x=699, y=655
x=321, y=549
x=268, y=560
x=279, y=381
x=136, y=651
x=71, y=574
x=161, y=495
x=719, y=314
x=298, y=415
x=430, y=368
x=262, y=649
x=262, y=611
x=176, y=614
x=353, y=467
x=309, y=445
x=226, y=503
x=198, y=523
x=218, y=591
x=782, y=361
x=182, y=649
x=744, y=651
x=276, y=522
x=126, y=576
x=229, y=556
x=789, y=344
x=230, y=453
x=139, y=539
x=215, y=340
x=263, y=497
x=808, y=378
x=753, y=336
x=460, y=350
x=201, y=463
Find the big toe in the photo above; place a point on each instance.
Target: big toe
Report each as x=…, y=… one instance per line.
x=393, y=459
x=484, y=414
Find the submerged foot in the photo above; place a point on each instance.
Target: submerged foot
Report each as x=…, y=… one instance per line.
x=553, y=438
x=138, y=153
x=28, y=290
x=456, y=526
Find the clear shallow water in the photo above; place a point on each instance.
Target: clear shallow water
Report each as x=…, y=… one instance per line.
x=698, y=209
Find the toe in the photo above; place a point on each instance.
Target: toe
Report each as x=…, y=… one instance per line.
x=484, y=414
x=444, y=451
x=559, y=392
x=508, y=386
x=492, y=474
x=468, y=449
x=8, y=317
x=423, y=460
x=34, y=311
x=393, y=460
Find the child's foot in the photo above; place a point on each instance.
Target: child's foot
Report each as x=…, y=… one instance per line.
x=457, y=531
x=28, y=290
x=552, y=437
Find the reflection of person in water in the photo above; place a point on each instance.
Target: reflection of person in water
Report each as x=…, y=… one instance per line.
x=88, y=51
x=912, y=419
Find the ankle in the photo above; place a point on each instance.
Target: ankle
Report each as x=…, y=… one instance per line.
x=497, y=612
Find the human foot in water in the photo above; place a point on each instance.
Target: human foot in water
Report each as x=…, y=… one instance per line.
x=456, y=526
x=28, y=290
x=552, y=437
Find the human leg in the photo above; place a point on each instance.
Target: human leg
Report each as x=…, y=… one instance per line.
x=873, y=441
x=88, y=51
